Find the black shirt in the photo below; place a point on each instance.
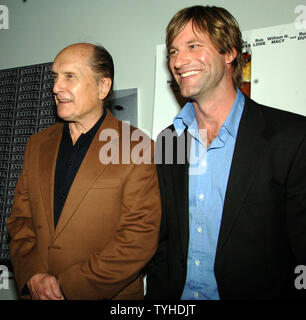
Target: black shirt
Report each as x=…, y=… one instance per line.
x=69, y=159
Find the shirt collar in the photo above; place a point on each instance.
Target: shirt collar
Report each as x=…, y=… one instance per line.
x=232, y=121
x=186, y=117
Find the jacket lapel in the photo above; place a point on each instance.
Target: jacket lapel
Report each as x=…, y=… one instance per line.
x=91, y=167
x=248, y=154
x=48, y=155
x=180, y=178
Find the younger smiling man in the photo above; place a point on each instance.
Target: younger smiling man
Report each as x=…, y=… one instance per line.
x=235, y=230
x=80, y=228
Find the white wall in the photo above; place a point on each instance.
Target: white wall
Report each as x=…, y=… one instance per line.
x=129, y=29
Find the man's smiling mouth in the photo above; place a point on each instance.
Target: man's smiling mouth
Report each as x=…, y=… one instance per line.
x=189, y=73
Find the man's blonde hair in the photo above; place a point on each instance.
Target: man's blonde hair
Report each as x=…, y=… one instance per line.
x=221, y=27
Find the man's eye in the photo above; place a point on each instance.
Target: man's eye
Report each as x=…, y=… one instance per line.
x=172, y=52
x=193, y=46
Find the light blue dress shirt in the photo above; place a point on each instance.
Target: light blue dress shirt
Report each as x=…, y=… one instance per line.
x=208, y=176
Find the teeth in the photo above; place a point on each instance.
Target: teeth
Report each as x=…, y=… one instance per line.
x=189, y=73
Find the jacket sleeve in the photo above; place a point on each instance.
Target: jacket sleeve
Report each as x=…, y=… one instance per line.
x=23, y=244
x=296, y=204
x=157, y=274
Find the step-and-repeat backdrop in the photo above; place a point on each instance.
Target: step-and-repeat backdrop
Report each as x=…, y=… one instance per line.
x=26, y=107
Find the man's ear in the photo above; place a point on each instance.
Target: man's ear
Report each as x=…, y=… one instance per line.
x=104, y=87
x=230, y=56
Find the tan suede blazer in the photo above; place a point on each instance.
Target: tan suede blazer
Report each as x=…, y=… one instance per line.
x=108, y=229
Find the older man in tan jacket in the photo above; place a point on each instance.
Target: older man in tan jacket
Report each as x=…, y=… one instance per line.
x=84, y=223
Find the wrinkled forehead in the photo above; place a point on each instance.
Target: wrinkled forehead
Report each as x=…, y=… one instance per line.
x=78, y=52
x=72, y=58
x=73, y=54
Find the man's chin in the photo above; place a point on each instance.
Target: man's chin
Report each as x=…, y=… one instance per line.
x=65, y=117
x=187, y=94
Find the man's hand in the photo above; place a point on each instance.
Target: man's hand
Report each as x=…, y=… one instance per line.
x=44, y=286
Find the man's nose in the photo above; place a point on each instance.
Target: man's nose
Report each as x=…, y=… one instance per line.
x=181, y=59
x=57, y=86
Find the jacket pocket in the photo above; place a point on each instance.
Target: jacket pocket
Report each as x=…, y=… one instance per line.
x=106, y=183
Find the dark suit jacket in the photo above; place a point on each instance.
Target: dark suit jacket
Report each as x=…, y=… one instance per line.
x=108, y=228
x=263, y=228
